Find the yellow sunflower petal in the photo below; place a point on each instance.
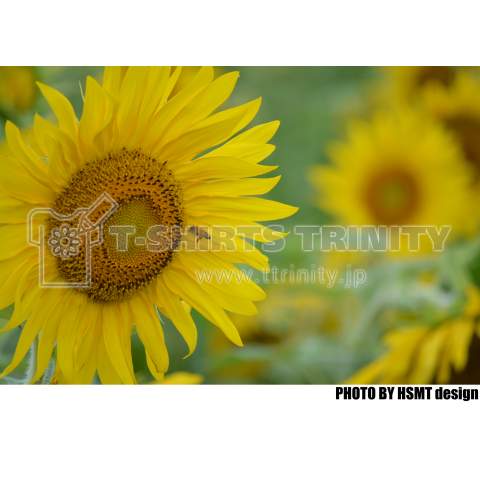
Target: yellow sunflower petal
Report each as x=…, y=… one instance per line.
x=189, y=290
x=63, y=111
x=48, y=335
x=87, y=347
x=167, y=113
x=444, y=369
x=13, y=239
x=196, y=140
x=106, y=371
x=43, y=129
x=254, y=257
x=87, y=373
x=426, y=363
x=199, y=107
x=219, y=167
x=37, y=319
x=67, y=335
x=243, y=228
x=16, y=181
x=247, y=152
x=59, y=377
x=157, y=82
x=247, y=113
x=175, y=310
x=159, y=376
x=232, y=281
x=462, y=331
x=150, y=332
x=95, y=129
x=256, y=135
x=25, y=155
x=172, y=81
x=11, y=271
x=230, y=302
x=369, y=374
x=250, y=208
x=114, y=340
x=112, y=79
x=12, y=212
x=130, y=99
x=230, y=187
x=57, y=167
x=27, y=294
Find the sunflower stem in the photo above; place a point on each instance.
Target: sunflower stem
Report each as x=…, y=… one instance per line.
x=49, y=371
x=32, y=361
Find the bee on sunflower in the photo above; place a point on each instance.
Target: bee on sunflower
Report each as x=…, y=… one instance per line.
x=145, y=152
x=446, y=352
x=401, y=168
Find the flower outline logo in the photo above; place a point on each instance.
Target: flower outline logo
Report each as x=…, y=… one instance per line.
x=64, y=242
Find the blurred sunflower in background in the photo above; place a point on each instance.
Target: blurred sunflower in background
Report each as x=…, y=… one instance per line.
x=405, y=83
x=458, y=109
x=180, y=378
x=144, y=151
x=445, y=352
x=289, y=316
x=18, y=90
x=398, y=169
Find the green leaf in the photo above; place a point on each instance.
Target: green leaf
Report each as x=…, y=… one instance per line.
x=7, y=313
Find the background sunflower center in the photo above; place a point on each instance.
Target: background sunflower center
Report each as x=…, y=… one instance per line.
x=392, y=196
x=444, y=75
x=467, y=130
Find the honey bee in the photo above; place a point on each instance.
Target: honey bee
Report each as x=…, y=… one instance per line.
x=199, y=233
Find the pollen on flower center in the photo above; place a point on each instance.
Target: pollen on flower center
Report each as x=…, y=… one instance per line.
x=148, y=195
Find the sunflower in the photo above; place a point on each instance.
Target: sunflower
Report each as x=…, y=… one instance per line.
x=144, y=153
x=399, y=169
x=447, y=352
x=406, y=83
x=17, y=88
x=458, y=108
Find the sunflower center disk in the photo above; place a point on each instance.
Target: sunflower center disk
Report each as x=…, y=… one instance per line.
x=147, y=196
x=127, y=230
x=466, y=129
x=444, y=75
